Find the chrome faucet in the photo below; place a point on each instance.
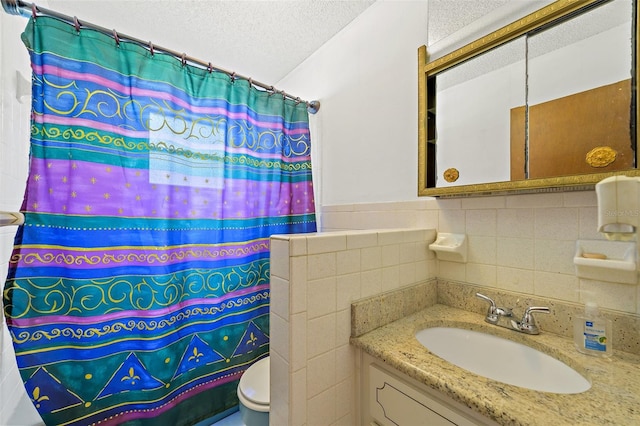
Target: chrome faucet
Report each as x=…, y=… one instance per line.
x=503, y=317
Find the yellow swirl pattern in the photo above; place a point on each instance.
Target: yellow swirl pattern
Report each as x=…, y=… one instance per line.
x=108, y=104
x=53, y=132
x=178, y=255
x=119, y=294
x=128, y=326
x=77, y=134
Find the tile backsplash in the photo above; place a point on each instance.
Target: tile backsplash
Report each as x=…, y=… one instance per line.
x=626, y=327
x=377, y=311
x=519, y=243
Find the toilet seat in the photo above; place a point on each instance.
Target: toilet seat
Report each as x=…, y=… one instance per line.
x=253, y=390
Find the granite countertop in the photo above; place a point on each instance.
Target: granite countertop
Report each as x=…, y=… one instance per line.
x=614, y=397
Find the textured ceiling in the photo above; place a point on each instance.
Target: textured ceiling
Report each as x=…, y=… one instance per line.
x=261, y=39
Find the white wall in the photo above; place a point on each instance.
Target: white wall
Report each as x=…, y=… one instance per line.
x=15, y=408
x=366, y=77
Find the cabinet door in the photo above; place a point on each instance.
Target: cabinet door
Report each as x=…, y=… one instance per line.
x=395, y=403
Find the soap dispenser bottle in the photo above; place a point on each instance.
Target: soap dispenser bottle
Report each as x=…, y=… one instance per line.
x=592, y=332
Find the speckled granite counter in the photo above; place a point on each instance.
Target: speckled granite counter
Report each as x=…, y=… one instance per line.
x=613, y=399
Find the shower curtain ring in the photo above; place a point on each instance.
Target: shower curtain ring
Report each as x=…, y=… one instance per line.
x=250, y=82
x=34, y=11
x=298, y=100
x=183, y=59
x=153, y=52
x=210, y=68
x=233, y=77
x=76, y=24
x=271, y=90
x=116, y=37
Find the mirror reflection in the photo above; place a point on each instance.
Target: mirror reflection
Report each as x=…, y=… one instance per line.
x=472, y=119
x=557, y=100
x=579, y=94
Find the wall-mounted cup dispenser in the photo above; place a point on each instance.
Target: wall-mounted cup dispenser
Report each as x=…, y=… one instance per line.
x=618, y=207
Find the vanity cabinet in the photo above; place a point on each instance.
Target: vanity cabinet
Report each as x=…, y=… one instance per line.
x=390, y=398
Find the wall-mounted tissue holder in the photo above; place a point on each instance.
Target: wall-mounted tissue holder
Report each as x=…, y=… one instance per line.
x=451, y=247
x=611, y=261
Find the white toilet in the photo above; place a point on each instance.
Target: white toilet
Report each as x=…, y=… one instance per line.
x=253, y=393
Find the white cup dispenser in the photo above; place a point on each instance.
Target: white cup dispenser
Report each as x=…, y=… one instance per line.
x=618, y=207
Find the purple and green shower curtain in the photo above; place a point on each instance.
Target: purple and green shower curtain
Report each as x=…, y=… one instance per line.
x=138, y=288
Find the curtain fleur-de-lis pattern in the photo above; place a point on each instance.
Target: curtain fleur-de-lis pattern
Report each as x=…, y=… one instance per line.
x=138, y=288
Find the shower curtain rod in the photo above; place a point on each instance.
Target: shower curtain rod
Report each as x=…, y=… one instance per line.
x=21, y=8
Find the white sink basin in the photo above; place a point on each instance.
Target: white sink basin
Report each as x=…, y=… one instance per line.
x=502, y=360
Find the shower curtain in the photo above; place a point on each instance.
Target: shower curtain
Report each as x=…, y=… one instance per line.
x=138, y=288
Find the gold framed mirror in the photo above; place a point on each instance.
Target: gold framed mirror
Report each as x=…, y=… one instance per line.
x=564, y=127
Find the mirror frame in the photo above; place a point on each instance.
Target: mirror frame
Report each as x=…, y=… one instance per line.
x=426, y=69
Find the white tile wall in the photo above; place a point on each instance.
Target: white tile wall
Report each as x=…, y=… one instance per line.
x=312, y=376
x=522, y=243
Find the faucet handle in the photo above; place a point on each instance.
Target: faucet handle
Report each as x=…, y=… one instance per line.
x=494, y=311
x=528, y=323
x=491, y=317
x=492, y=308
